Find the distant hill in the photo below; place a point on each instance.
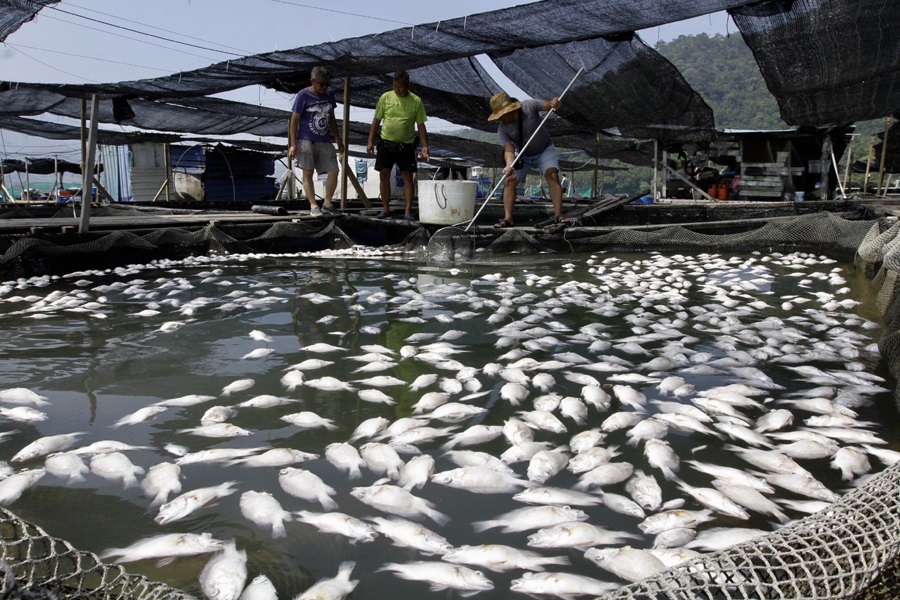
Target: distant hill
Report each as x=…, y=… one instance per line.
x=722, y=70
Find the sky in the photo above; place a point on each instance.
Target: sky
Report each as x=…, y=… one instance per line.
x=88, y=41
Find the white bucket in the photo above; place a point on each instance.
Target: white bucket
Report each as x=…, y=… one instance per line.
x=446, y=202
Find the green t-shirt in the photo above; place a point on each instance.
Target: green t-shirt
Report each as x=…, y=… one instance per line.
x=400, y=116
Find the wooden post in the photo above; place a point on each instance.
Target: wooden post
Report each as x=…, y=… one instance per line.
x=346, y=139
x=847, y=166
x=665, y=174
x=87, y=171
x=656, y=166
x=884, y=143
x=167, y=153
x=869, y=163
x=826, y=169
x=596, y=168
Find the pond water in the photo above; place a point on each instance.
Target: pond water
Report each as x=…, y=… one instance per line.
x=102, y=345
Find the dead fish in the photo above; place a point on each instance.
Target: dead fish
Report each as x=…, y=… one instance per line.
x=189, y=502
x=500, y=558
x=307, y=485
x=165, y=548
x=292, y=380
x=480, y=480
x=223, y=577
x=12, y=487
x=525, y=519
x=407, y=534
x=329, y=384
x=116, y=466
x=309, y=420
x=162, y=480
x=66, y=465
x=238, y=386
x=625, y=562
x=340, y=524
x=576, y=535
x=556, y=496
x=442, y=576
x=561, y=585
x=276, y=457
x=46, y=445
x=397, y=501
x=264, y=510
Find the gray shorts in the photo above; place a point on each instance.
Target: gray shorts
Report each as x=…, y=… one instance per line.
x=320, y=156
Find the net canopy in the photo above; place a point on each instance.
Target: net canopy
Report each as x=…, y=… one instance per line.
x=15, y=13
x=826, y=61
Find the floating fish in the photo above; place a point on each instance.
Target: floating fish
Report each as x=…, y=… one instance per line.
x=223, y=577
x=264, y=510
x=340, y=524
x=165, y=548
x=442, y=576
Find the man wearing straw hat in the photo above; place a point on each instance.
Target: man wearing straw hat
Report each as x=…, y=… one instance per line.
x=519, y=121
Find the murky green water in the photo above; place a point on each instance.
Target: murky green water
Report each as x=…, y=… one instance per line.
x=99, y=363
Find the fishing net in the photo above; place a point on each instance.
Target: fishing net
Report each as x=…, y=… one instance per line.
x=849, y=550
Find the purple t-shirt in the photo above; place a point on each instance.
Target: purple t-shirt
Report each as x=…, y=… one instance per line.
x=315, y=111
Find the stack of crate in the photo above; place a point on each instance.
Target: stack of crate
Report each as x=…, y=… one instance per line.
x=769, y=180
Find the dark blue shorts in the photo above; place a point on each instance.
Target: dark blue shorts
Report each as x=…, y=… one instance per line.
x=392, y=153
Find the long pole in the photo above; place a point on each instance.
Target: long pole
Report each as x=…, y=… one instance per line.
x=596, y=168
x=884, y=143
x=655, y=166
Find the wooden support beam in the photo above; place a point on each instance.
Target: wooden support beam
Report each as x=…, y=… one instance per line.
x=884, y=143
x=87, y=172
x=103, y=191
x=360, y=192
x=346, y=140
x=689, y=182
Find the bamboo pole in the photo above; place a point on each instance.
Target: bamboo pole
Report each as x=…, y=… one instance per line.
x=596, y=168
x=656, y=166
x=847, y=167
x=884, y=143
x=167, y=154
x=869, y=163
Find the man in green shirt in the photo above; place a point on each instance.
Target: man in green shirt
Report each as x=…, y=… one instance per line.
x=400, y=111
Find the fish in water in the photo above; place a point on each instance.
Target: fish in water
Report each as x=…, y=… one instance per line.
x=240, y=385
x=630, y=564
x=501, y=558
x=189, y=502
x=333, y=588
x=223, y=577
x=442, y=576
x=340, y=524
x=116, y=466
x=397, y=501
x=264, y=510
x=308, y=486
x=165, y=547
x=162, y=480
x=561, y=585
x=46, y=445
x=407, y=534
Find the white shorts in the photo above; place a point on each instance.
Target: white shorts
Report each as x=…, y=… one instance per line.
x=320, y=156
x=543, y=161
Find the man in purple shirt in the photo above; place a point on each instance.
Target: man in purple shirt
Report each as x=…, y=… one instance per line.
x=312, y=133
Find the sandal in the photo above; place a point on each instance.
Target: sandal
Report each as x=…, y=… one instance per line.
x=503, y=224
x=561, y=220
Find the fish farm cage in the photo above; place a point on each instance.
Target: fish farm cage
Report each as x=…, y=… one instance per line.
x=849, y=550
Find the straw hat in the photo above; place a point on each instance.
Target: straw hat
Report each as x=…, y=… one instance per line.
x=501, y=104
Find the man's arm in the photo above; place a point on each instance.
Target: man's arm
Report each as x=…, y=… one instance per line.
x=332, y=124
x=292, y=135
x=552, y=103
x=423, y=141
x=373, y=129
x=509, y=155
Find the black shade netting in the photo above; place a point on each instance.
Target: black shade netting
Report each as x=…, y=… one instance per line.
x=15, y=13
x=826, y=61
